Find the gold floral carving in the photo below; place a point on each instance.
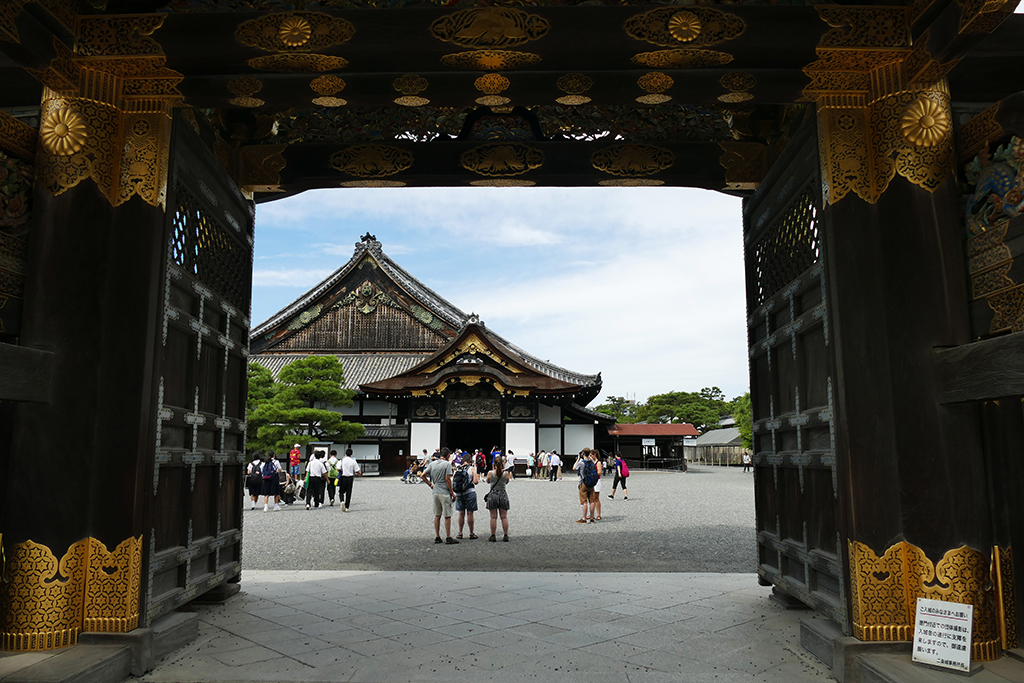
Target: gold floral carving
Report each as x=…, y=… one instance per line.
x=46, y=603
x=490, y=27
x=654, y=98
x=925, y=123
x=471, y=345
x=682, y=58
x=696, y=26
x=737, y=81
x=491, y=84
x=745, y=164
x=9, y=11
x=502, y=160
x=490, y=60
x=492, y=100
x=298, y=63
x=574, y=85
x=631, y=182
x=327, y=85
x=16, y=137
x=884, y=592
x=655, y=82
x=865, y=27
x=410, y=84
x=1007, y=310
x=120, y=36
x=684, y=26
x=987, y=249
x=992, y=281
x=978, y=132
x=411, y=101
x=372, y=161
x=295, y=32
x=63, y=132
x=329, y=101
x=984, y=16
x=632, y=160
x=244, y=88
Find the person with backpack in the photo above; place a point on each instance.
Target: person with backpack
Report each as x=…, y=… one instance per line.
x=621, y=473
x=589, y=470
x=333, y=472
x=254, y=479
x=464, y=483
x=271, y=485
x=496, y=499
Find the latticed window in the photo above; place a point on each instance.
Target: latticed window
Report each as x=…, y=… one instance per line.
x=787, y=248
x=204, y=249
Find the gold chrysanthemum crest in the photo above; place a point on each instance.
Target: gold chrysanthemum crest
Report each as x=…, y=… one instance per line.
x=63, y=132
x=294, y=31
x=925, y=123
x=684, y=26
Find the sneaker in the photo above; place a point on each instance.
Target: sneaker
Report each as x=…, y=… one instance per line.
x=277, y=508
x=506, y=538
x=307, y=506
x=625, y=498
x=581, y=521
x=253, y=506
x=344, y=508
x=266, y=507
x=332, y=503
x=492, y=539
x=450, y=541
x=612, y=497
x=591, y=521
x=437, y=539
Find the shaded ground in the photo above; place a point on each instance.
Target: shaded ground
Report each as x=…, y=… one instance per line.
x=698, y=521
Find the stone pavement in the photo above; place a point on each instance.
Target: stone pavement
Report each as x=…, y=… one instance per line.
x=506, y=627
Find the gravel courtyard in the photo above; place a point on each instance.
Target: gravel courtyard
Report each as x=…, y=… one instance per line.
x=698, y=521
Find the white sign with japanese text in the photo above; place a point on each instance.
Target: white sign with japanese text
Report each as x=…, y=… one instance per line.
x=942, y=634
x=647, y=442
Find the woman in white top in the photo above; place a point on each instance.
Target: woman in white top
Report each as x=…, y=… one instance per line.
x=254, y=479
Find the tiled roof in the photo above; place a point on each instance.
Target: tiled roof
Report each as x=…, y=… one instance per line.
x=601, y=417
x=428, y=298
x=729, y=436
x=386, y=431
x=360, y=368
x=678, y=429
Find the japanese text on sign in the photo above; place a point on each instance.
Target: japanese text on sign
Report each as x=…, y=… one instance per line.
x=942, y=634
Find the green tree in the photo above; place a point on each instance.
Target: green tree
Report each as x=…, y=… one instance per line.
x=297, y=412
x=261, y=390
x=744, y=419
x=703, y=409
x=622, y=410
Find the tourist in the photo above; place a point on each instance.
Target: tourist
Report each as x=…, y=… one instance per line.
x=348, y=470
x=596, y=454
x=480, y=461
x=464, y=486
x=332, y=475
x=294, y=460
x=542, y=464
x=271, y=486
x=621, y=473
x=746, y=462
x=555, y=463
x=510, y=461
x=316, y=477
x=531, y=464
x=497, y=498
x=439, y=475
x=254, y=479
x=590, y=473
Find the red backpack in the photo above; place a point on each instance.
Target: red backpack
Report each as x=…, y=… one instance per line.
x=624, y=468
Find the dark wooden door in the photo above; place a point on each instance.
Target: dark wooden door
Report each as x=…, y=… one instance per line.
x=791, y=376
x=195, y=510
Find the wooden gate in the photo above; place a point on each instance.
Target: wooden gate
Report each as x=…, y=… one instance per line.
x=196, y=510
x=791, y=371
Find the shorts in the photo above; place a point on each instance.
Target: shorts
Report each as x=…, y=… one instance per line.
x=295, y=470
x=587, y=494
x=466, y=501
x=442, y=505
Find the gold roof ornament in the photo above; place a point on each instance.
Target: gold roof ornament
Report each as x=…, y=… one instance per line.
x=63, y=132
x=632, y=160
x=294, y=32
x=490, y=27
x=682, y=58
x=502, y=160
x=410, y=85
x=684, y=26
x=925, y=123
x=655, y=83
x=372, y=161
x=326, y=87
x=244, y=88
x=298, y=63
x=490, y=60
x=491, y=85
x=738, y=82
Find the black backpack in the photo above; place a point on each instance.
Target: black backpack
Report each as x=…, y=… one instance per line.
x=255, y=477
x=481, y=463
x=460, y=482
x=590, y=473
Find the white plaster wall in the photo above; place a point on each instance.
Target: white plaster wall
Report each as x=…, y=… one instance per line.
x=549, y=439
x=520, y=438
x=549, y=415
x=578, y=437
x=424, y=435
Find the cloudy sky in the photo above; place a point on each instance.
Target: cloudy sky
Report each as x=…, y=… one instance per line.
x=644, y=285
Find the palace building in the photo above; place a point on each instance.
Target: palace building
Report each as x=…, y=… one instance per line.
x=426, y=374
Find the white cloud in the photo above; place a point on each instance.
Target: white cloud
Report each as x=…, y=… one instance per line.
x=290, y=277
